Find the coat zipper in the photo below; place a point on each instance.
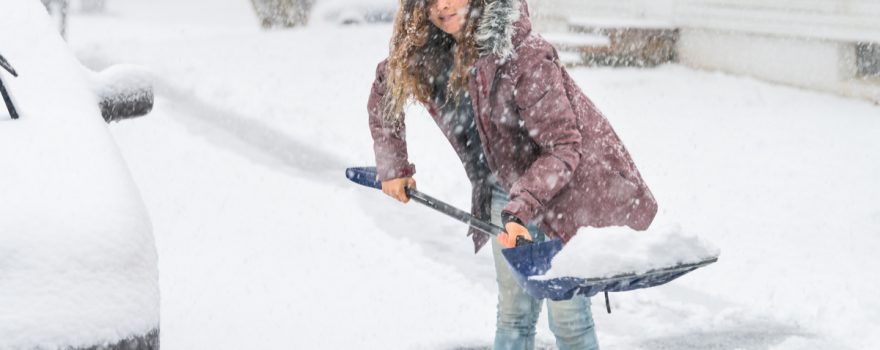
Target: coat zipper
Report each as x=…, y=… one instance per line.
x=477, y=106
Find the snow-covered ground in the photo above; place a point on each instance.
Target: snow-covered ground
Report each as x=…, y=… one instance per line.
x=263, y=243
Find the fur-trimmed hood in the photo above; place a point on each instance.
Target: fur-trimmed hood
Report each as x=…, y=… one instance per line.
x=501, y=27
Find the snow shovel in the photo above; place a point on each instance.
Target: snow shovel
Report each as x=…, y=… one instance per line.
x=533, y=259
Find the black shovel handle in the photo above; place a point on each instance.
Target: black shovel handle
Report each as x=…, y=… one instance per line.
x=461, y=215
x=367, y=176
x=454, y=212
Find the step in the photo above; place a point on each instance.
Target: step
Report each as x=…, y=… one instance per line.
x=571, y=59
x=634, y=42
x=571, y=46
x=566, y=41
x=618, y=23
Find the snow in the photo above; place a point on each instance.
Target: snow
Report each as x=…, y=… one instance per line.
x=577, y=39
x=257, y=252
x=122, y=80
x=77, y=257
x=618, y=250
x=599, y=22
x=354, y=11
x=264, y=244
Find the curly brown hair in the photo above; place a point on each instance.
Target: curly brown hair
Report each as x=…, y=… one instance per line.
x=420, y=52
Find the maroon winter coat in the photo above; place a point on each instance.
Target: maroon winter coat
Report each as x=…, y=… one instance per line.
x=544, y=140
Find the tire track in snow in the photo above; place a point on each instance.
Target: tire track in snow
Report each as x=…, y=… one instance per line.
x=238, y=133
x=252, y=138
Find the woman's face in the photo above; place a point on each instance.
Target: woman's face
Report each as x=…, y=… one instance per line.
x=448, y=15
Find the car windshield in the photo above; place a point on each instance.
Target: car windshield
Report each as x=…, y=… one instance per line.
x=7, y=100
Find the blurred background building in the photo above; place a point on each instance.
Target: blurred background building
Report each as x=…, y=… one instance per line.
x=827, y=45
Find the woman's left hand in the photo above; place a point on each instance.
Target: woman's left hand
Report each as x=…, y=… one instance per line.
x=508, y=239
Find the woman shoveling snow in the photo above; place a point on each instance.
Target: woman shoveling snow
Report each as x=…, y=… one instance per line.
x=542, y=160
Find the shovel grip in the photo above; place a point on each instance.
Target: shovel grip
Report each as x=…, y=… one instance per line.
x=364, y=176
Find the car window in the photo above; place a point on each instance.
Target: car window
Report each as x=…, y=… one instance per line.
x=7, y=98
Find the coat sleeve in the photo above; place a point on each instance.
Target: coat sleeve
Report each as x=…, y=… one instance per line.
x=389, y=141
x=547, y=115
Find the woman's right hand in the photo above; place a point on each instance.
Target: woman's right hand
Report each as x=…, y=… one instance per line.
x=396, y=188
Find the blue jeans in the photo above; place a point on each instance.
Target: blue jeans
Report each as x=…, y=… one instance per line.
x=570, y=320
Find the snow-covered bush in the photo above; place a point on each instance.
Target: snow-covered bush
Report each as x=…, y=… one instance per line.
x=355, y=11
x=282, y=13
x=92, y=6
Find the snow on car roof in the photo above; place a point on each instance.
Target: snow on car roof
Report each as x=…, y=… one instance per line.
x=78, y=258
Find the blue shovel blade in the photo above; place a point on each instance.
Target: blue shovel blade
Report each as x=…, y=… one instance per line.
x=534, y=260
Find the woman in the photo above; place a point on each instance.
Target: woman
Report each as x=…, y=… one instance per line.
x=542, y=160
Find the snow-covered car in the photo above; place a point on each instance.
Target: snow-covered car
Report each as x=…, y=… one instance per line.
x=78, y=263
x=349, y=12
